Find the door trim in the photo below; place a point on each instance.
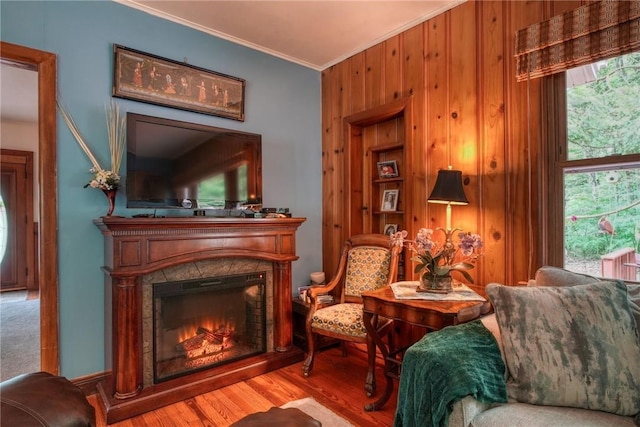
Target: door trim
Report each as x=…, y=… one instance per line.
x=45, y=63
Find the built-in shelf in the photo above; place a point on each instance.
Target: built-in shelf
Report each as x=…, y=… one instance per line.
x=382, y=133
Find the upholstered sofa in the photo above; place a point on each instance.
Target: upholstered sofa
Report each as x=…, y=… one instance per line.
x=569, y=355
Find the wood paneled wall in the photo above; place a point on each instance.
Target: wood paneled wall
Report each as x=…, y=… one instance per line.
x=468, y=111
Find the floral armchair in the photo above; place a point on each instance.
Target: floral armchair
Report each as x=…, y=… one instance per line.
x=368, y=262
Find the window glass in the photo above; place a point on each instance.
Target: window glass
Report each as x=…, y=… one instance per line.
x=603, y=103
x=602, y=218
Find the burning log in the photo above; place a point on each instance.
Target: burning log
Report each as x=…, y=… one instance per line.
x=208, y=334
x=222, y=334
x=204, y=360
x=190, y=344
x=204, y=337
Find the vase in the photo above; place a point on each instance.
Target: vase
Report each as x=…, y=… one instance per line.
x=440, y=285
x=111, y=198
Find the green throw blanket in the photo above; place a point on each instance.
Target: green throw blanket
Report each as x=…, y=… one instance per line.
x=445, y=366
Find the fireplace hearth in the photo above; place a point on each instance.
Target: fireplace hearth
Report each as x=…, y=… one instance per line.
x=202, y=323
x=141, y=253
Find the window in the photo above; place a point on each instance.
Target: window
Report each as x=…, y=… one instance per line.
x=600, y=168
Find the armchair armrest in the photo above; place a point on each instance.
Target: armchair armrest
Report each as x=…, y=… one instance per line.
x=315, y=290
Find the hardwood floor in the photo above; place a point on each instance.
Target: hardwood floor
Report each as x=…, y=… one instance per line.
x=336, y=382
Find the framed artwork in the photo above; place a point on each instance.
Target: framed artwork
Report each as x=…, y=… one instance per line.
x=387, y=169
x=390, y=229
x=148, y=78
x=389, y=200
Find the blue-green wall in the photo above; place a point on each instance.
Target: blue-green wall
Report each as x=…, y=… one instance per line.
x=283, y=104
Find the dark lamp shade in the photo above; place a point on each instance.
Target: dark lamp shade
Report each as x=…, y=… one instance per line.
x=448, y=188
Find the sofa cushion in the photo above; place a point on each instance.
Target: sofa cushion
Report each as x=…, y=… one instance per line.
x=556, y=276
x=570, y=346
x=525, y=415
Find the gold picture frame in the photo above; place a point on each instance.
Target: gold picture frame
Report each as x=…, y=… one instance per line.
x=149, y=78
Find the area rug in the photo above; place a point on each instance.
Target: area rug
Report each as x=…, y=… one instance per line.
x=326, y=416
x=19, y=338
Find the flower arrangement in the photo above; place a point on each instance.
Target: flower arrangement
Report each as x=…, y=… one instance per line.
x=103, y=179
x=437, y=261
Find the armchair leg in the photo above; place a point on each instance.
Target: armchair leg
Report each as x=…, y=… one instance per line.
x=307, y=365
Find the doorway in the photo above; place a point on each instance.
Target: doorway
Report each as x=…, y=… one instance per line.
x=17, y=265
x=45, y=65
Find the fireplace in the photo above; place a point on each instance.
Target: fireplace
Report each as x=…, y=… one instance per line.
x=191, y=255
x=202, y=323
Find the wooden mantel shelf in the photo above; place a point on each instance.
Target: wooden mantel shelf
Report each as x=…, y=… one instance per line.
x=149, y=244
x=134, y=247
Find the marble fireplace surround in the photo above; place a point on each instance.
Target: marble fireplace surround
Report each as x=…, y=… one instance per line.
x=139, y=251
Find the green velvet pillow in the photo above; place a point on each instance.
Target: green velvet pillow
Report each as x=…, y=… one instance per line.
x=571, y=346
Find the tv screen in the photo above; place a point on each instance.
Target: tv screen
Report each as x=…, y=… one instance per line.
x=174, y=164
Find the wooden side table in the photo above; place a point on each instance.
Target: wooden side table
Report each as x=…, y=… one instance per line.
x=433, y=315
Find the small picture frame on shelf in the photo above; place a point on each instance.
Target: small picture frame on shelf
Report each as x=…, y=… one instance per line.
x=387, y=169
x=389, y=201
x=390, y=229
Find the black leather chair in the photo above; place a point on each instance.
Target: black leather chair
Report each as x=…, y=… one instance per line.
x=41, y=399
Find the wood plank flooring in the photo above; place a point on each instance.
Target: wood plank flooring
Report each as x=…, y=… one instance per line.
x=337, y=382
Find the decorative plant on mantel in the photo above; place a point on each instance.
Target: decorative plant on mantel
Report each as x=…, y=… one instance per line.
x=107, y=180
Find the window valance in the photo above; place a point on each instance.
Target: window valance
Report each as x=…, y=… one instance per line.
x=591, y=32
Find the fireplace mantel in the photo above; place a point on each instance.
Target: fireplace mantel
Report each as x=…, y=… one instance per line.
x=134, y=247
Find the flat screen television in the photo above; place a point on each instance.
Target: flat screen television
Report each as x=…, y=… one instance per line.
x=174, y=164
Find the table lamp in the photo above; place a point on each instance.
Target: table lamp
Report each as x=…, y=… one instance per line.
x=448, y=190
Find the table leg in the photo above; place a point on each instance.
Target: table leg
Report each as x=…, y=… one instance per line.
x=369, y=323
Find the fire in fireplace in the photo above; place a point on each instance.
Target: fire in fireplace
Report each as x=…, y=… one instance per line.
x=203, y=323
